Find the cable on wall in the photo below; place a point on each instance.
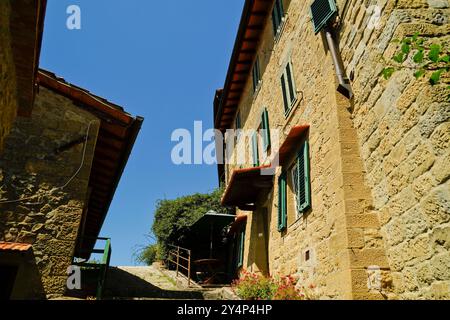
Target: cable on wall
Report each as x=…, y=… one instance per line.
x=4, y=201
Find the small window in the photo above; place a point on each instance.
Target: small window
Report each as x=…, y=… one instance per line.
x=288, y=88
x=240, y=248
x=282, y=202
x=277, y=17
x=301, y=180
x=256, y=72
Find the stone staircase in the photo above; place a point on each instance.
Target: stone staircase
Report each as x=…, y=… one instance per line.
x=145, y=283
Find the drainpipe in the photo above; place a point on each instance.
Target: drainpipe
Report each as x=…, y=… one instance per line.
x=344, y=86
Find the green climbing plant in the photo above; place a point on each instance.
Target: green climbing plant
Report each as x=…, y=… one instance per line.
x=432, y=60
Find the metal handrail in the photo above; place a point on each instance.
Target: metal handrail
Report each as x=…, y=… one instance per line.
x=177, y=253
x=103, y=266
x=181, y=248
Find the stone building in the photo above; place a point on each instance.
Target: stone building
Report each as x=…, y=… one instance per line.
x=21, y=27
x=359, y=205
x=58, y=174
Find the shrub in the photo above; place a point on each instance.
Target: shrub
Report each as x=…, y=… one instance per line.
x=287, y=290
x=174, y=217
x=255, y=287
x=150, y=254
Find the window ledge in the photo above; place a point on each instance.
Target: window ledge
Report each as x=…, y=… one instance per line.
x=297, y=223
x=294, y=106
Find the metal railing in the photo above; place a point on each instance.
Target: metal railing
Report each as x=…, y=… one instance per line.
x=181, y=258
x=102, y=266
x=105, y=266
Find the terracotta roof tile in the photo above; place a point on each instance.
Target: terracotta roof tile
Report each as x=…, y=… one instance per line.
x=11, y=246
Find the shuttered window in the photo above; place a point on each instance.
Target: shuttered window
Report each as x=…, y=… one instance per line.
x=300, y=174
x=282, y=202
x=255, y=149
x=240, y=248
x=277, y=17
x=265, y=129
x=288, y=88
x=237, y=124
x=256, y=72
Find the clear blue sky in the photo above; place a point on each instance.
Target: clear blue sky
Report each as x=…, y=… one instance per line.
x=161, y=60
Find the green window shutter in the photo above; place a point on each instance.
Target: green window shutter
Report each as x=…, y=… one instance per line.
x=256, y=74
x=255, y=149
x=282, y=202
x=322, y=12
x=238, y=121
x=275, y=21
x=292, y=93
x=285, y=95
x=288, y=87
x=241, y=242
x=304, y=181
x=266, y=129
x=277, y=16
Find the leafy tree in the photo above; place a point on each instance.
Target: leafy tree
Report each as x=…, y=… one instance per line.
x=172, y=217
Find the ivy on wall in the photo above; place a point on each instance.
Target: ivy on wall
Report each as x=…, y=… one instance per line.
x=413, y=53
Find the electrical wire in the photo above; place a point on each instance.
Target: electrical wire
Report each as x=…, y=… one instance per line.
x=64, y=185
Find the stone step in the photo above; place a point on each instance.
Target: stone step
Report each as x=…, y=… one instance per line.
x=142, y=283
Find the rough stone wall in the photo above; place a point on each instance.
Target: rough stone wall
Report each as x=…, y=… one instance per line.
x=380, y=190
x=404, y=134
x=8, y=100
x=34, y=165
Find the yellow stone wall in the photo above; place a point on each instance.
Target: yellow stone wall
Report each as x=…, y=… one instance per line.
x=379, y=174
x=404, y=136
x=32, y=167
x=8, y=99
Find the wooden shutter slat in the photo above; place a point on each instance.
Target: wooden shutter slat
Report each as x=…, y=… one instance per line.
x=304, y=192
x=282, y=202
x=255, y=150
x=292, y=94
x=285, y=98
x=266, y=129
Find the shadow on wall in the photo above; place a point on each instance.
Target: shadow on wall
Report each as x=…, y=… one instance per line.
x=121, y=285
x=19, y=277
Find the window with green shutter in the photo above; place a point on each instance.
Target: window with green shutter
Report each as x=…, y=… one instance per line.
x=237, y=126
x=255, y=149
x=277, y=17
x=256, y=72
x=265, y=129
x=288, y=88
x=300, y=174
x=240, y=248
x=282, y=202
